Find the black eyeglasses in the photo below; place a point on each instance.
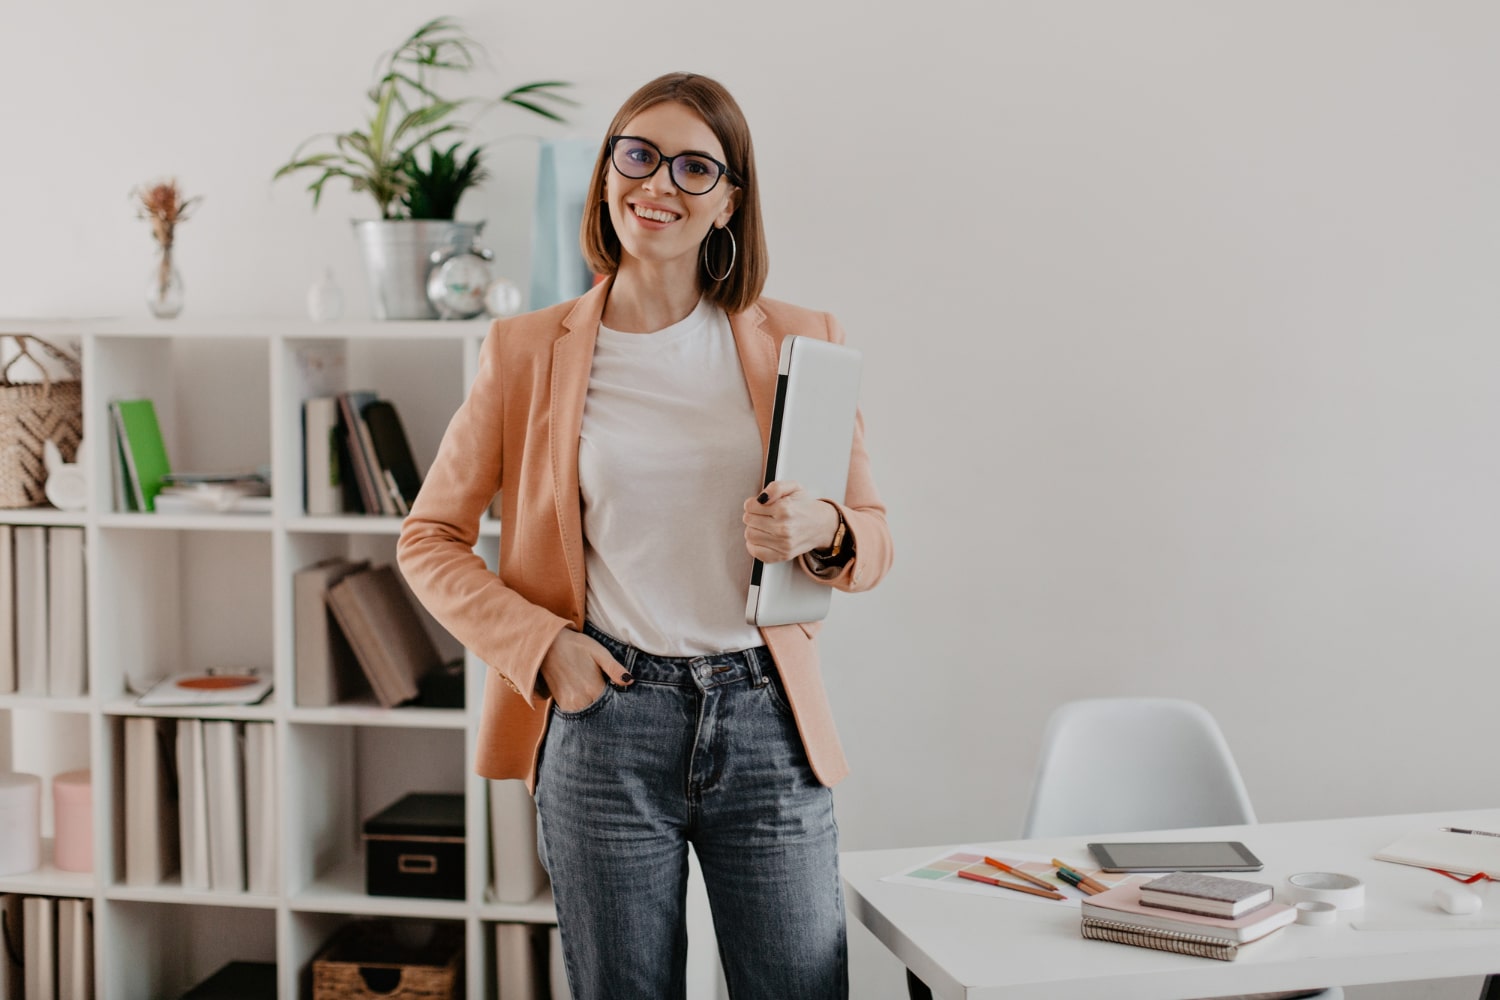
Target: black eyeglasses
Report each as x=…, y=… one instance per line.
x=693, y=173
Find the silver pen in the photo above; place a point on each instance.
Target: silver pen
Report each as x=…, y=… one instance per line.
x=1477, y=833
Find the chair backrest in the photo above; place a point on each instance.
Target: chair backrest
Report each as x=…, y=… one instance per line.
x=1112, y=765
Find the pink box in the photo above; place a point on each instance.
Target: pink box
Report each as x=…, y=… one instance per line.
x=73, y=821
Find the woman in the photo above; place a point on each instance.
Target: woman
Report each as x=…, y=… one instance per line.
x=624, y=432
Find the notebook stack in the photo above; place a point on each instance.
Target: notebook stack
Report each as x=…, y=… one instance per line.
x=1186, y=912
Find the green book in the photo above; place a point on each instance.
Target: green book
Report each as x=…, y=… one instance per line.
x=142, y=449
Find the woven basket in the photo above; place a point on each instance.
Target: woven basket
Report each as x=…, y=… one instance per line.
x=32, y=413
x=370, y=960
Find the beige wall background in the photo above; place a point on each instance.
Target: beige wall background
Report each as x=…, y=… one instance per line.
x=1180, y=322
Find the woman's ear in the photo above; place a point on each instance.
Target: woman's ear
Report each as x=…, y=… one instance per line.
x=730, y=205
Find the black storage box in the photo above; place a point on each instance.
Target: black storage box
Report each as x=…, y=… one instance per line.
x=415, y=847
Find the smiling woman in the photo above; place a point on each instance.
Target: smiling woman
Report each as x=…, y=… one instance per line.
x=624, y=432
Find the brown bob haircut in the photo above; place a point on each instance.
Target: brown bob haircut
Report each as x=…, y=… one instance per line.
x=600, y=243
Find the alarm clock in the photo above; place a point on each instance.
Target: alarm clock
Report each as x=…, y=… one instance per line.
x=458, y=281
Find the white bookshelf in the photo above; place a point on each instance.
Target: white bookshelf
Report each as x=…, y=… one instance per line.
x=177, y=592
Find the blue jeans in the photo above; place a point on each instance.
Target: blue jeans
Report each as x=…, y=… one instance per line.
x=699, y=750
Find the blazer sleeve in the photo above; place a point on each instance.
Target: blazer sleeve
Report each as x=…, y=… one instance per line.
x=436, y=549
x=863, y=511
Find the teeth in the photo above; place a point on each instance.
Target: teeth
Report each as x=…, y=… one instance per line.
x=655, y=215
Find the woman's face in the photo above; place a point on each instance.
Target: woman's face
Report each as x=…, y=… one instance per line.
x=655, y=220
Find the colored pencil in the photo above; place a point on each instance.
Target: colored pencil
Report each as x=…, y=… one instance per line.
x=1039, y=883
x=1094, y=884
x=1076, y=881
x=1001, y=883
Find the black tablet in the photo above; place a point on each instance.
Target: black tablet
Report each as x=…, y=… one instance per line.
x=1177, y=856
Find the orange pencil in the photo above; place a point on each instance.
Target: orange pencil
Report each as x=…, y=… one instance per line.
x=1001, y=883
x=1094, y=884
x=1040, y=883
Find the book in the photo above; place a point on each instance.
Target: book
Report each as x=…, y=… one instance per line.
x=385, y=631
x=1212, y=895
x=39, y=947
x=261, y=869
x=7, y=610
x=75, y=950
x=192, y=805
x=30, y=550
x=519, y=876
x=519, y=972
x=11, y=960
x=214, y=686
x=557, y=966
x=1445, y=850
x=1125, y=904
x=373, y=497
x=326, y=669
x=1181, y=944
x=143, y=449
x=393, y=452
x=224, y=766
x=65, y=613
x=322, y=489
x=150, y=813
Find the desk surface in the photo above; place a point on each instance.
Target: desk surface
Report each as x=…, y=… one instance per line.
x=1013, y=947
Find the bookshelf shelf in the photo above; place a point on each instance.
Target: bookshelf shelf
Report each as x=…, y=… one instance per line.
x=176, y=592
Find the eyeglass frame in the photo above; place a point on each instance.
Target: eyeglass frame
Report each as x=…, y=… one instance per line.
x=663, y=158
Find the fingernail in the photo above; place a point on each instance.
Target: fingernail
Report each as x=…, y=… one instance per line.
x=627, y=678
x=763, y=498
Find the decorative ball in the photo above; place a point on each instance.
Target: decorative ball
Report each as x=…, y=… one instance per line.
x=502, y=298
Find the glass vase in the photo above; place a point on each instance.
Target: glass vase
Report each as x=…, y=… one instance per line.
x=164, y=289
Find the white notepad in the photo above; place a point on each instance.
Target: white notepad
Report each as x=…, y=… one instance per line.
x=1459, y=853
x=812, y=434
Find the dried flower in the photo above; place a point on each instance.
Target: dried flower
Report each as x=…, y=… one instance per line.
x=163, y=206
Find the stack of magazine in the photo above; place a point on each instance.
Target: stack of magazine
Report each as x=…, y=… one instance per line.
x=1186, y=912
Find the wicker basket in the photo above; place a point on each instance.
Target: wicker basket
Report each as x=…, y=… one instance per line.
x=377, y=960
x=32, y=413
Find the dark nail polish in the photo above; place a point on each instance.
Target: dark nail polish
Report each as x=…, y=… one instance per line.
x=763, y=498
x=627, y=678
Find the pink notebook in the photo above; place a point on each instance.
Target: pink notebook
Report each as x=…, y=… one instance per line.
x=1122, y=904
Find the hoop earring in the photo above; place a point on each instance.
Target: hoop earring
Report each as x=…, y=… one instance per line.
x=733, y=253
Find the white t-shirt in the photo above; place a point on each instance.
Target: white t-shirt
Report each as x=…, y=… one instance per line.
x=669, y=452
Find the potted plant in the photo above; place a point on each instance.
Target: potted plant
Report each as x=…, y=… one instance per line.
x=417, y=201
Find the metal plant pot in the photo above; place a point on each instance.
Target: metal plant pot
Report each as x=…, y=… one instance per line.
x=398, y=256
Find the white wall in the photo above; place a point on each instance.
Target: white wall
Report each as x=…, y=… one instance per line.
x=1179, y=318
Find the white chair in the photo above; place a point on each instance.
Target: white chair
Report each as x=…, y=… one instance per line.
x=1111, y=765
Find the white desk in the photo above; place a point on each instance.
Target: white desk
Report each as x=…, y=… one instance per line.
x=968, y=947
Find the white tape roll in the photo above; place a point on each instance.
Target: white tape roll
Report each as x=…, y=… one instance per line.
x=1345, y=892
x=1311, y=911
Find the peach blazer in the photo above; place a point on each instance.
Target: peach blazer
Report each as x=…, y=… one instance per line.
x=517, y=434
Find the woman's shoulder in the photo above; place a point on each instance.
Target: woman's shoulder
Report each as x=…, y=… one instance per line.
x=783, y=318
x=530, y=331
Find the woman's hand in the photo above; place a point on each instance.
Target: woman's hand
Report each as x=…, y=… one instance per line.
x=785, y=521
x=575, y=670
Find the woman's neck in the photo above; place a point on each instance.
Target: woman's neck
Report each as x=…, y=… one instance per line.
x=643, y=299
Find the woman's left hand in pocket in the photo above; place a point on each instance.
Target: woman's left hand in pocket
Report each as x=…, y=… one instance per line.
x=788, y=522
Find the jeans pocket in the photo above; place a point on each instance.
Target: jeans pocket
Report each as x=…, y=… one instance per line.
x=589, y=709
x=777, y=694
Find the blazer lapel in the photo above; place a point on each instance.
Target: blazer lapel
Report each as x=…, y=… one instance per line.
x=759, y=358
x=572, y=358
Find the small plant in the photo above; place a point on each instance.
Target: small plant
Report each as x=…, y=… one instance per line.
x=409, y=114
x=433, y=191
x=161, y=203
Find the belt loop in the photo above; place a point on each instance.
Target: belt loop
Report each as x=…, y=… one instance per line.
x=757, y=673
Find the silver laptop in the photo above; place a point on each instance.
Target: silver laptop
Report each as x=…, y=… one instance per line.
x=812, y=433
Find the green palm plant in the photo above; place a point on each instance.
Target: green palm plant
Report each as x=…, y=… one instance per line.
x=432, y=191
x=409, y=114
